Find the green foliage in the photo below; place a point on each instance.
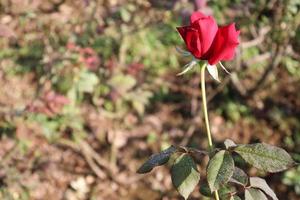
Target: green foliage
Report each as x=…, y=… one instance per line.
x=30, y=57
x=239, y=177
x=185, y=175
x=234, y=111
x=7, y=129
x=86, y=82
x=205, y=190
x=235, y=197
x=261, y=184
x=292, y=66
x=122, y=83
x=222, y=175
x=139, y=99
x=220, y=169
x=157, y=160
x=254, y=194
x=265, y=157
x=106, y=45
x=5, y=194
x=292, y=178
x=50, y=127
x=226, y=192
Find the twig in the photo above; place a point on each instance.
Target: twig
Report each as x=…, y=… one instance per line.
x=238, y=85
x=102, y=162
x=188, y=136
x=93, y=159
x=276, y=59
x=9, y=154
x=258, y=40
x=258, y=58
x=93, y=165
x=89, y=156
x=218, y=89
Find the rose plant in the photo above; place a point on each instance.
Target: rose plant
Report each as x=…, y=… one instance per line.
x=209, y=44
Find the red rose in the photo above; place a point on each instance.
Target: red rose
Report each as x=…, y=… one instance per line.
x=206, y=41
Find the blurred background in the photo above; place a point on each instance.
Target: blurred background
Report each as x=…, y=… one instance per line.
x=88, y=91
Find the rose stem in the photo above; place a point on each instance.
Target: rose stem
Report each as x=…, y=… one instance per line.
x=204, y=104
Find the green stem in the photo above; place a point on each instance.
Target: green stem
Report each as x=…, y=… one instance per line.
x=204, y=104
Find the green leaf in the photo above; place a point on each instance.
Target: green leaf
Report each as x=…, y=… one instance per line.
x=157, y=160
x=235, y=197
x=122, y=83
x=205, y=190
x=265, y=157
x=139, y=98
x=125, y=14
x=185, y=175
x=220, y=169
x=260, y=183
x=254, y=194
x=87, y=82
x=226, y=192
x=239, y=177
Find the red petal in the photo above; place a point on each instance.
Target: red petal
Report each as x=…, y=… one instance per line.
x=191, y=39
x=196, y=16
x=224, y=44
x=230, y=54
x=182, y=31
x=208, y=29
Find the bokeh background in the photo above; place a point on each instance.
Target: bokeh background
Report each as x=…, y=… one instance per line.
x=88, y=90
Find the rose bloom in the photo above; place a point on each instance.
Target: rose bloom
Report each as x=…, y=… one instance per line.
x=206, y=41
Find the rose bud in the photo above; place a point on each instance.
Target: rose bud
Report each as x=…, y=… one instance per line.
x=206, y=41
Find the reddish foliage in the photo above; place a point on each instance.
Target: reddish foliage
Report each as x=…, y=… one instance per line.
x=87, y=55
x=134, y=68
x=50, y=104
